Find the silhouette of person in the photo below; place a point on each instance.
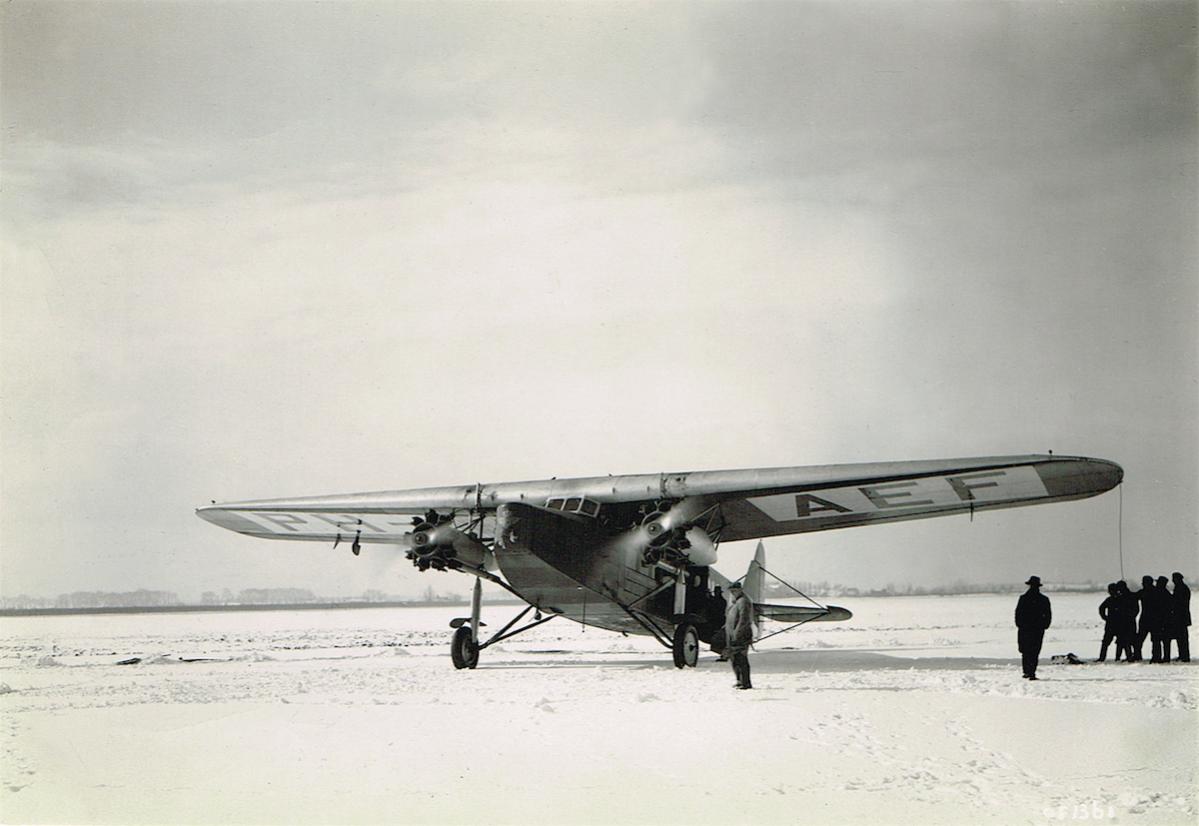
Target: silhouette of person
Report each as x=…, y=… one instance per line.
x=1111, y=611
x=1160, y=632
x=1126, y=635
x=1181, y=617
x=717, y=606
x=1148, y=605
x=739, y=630
x=1033, y=616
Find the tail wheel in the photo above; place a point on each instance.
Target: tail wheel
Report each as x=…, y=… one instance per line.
x=464, y=651
x=686, y=646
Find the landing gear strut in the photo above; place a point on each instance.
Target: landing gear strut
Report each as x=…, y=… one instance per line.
x=464, y=650
x=465, y=647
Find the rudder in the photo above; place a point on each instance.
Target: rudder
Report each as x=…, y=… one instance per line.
x=754, y=581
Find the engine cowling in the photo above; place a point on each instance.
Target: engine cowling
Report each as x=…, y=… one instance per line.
x=665, y=535
x=690, y=546
x=445, y=547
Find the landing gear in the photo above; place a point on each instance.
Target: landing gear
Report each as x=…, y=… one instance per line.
x=464, y=651
x=465, y=648
x=686, y=646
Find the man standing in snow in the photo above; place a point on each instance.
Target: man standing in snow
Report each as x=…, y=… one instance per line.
x=1181, y=617
x=1127, y=635
x=1160, y=633
x=1033, y=616
x=1147, y=597
x=717, y=607
x=739, y=633
x=1111, y=611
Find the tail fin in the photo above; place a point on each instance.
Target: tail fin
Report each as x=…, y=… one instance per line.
x=755, y=578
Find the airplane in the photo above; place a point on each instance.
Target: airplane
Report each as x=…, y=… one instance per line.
x=634, y=553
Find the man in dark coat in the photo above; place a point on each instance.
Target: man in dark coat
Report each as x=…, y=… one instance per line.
x=1033, y=616
x=1147, y=599
x=739, y=633
x=1181, y=617
x=1111, y=611
x=717, y=606
x=1126, y=636
x=1165, y=621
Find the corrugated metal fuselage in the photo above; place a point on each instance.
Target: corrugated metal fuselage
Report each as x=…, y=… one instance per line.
x=571, y=565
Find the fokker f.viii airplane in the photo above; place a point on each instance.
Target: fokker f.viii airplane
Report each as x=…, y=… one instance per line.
x=634, y=553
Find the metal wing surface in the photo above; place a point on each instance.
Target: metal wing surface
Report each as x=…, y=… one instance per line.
x=741, y=504
x=385, y=516
x=801, y=500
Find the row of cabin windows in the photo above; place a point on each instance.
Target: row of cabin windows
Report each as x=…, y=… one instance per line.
x=574, y=504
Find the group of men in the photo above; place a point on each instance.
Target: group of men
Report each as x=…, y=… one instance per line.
x=1165, y=617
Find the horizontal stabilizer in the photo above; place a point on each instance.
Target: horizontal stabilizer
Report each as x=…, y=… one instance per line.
x=802, y=613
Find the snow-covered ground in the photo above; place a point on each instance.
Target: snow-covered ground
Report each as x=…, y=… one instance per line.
x=912, y=712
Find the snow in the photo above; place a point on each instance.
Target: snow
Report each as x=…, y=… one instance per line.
x=912, y=712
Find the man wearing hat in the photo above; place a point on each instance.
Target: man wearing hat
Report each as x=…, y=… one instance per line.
x=739, y=633
x=1033, y=616
x=1181, y=616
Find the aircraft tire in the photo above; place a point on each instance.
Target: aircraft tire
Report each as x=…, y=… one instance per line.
x=464, y=651
x=686, y=646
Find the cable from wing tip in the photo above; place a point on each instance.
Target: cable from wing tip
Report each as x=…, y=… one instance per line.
x=1120, y=527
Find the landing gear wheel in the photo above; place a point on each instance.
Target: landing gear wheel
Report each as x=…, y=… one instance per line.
x=686, y=646
x=464, y=651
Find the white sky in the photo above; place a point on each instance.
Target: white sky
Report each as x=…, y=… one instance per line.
x=257, y=250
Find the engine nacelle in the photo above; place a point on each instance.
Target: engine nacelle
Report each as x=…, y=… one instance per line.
x=690, y=546
x=444, y=547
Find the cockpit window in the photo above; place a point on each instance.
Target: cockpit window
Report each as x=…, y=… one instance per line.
x=575, y=504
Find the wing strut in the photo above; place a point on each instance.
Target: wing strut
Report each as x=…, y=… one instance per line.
x=794, y=624
x=502, y=633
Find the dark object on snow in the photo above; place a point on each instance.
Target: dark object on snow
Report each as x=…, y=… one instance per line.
x=130, y=661
x=1066, y=659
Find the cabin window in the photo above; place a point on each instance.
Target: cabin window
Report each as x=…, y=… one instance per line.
x=575, y=504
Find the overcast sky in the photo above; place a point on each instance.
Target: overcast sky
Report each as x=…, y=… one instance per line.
x=273, y=249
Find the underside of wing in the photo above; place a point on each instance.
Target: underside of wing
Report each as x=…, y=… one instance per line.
x=384, y=517
x=844, y=496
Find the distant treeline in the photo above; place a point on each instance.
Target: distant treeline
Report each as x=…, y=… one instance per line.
x=185, y=609
x=168, y=600
x=255, y=599
x=836, y=589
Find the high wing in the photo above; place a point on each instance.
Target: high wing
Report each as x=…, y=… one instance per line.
x=732, y=504
x=801, y=500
